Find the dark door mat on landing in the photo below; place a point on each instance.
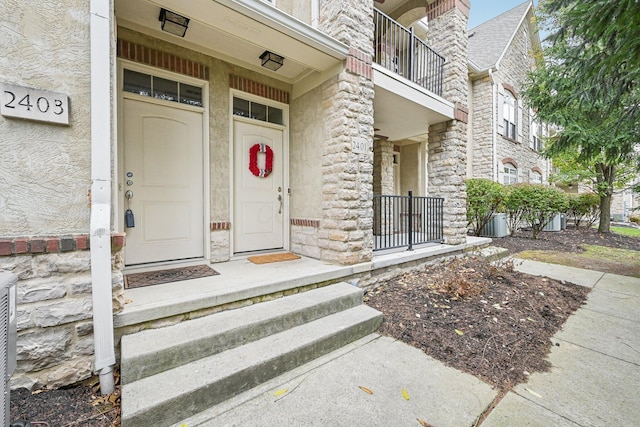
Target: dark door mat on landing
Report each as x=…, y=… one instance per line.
x=138, y=280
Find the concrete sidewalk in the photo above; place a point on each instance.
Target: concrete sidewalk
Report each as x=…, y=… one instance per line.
x=593, y=382
x=596, y=360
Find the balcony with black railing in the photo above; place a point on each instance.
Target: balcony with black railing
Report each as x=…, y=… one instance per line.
x=405, y=221
x=399, y=50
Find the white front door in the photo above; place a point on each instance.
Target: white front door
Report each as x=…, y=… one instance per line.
x=258, y=200
x=163, y=169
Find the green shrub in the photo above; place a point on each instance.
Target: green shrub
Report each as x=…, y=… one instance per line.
x=535, y=205
x=484, y=197
x=635, y=219
x=583, y=207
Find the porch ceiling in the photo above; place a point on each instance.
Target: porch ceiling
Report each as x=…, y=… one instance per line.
x=238, y=31
x=404, y=110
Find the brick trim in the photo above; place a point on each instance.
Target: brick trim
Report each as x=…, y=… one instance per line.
x=461, y=113
x=440, y=7
x=511, y=89
x=536, y=169
x=306, y=222
x=510, y=160
x=258, y=89
x=220, y=226
x=359, y=63
x=35, y=245
x=167, y=61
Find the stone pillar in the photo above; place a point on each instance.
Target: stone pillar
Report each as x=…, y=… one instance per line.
x=346, y=228
x=448, y=140
x=383, y=167
x=383, y=183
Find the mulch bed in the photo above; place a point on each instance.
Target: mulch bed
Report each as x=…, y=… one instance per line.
x=492, y=322
x=568, y=240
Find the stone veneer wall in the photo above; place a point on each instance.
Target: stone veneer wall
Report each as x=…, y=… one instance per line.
x=448, y=141
x=383, y=167
x=483, y=127
x=515, y=65
x=304, y=237
x=55, y=307
x=345, y=234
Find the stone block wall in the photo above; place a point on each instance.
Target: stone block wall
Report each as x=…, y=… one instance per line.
x=517, y=61
x=345, y=235
x=55, y=307
x=220, y=240
x=304, y=237
x=447, y=159
x=383, y=167
x=484, y=116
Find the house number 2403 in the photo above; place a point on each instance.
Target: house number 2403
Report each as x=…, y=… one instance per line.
x=34, y=104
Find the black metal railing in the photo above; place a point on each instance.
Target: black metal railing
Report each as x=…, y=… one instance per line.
x=404, y=221
x=399, y=50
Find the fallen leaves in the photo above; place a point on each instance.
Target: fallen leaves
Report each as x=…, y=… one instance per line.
x=405, y=393
x=533, y=392
x=280, y=392
x=366, y=390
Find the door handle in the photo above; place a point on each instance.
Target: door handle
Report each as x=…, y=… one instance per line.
x=128, y=194
x=280, y=200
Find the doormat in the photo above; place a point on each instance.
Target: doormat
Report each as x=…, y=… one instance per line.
x=138, y=280
x=265, y=259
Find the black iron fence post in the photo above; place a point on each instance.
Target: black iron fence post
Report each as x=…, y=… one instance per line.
x=410, y=228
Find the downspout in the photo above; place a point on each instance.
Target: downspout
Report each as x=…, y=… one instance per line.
x=100, y=227
x=494, y=129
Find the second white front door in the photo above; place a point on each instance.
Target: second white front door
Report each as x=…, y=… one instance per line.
x=259, y=200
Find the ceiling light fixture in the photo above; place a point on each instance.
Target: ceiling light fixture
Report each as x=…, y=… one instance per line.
x=173, y=23
x=271, y=60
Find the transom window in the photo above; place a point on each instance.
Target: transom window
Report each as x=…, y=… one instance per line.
x=159, y=88
x=509, y=115
x=510, y=173
x=257, y=111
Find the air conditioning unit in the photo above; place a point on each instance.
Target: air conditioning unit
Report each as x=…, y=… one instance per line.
x=8, y=334
x=555, y=224
x=497, y=227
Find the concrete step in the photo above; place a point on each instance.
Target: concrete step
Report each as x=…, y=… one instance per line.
x=156, y=350
x=173, y=395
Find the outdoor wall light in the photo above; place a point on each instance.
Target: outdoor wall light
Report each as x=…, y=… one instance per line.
x=271, y=61
x=173, y=23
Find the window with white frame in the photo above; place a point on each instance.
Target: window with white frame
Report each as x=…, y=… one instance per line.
x=536, y=136
x=509, y=115
x=509, y=174
x=535, y=177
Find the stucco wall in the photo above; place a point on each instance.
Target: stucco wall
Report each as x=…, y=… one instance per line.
x=219, y=120
x=45, y=168
x=305, y=151
x=411, y=166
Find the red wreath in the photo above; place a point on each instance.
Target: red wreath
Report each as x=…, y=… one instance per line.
x=253, y=160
